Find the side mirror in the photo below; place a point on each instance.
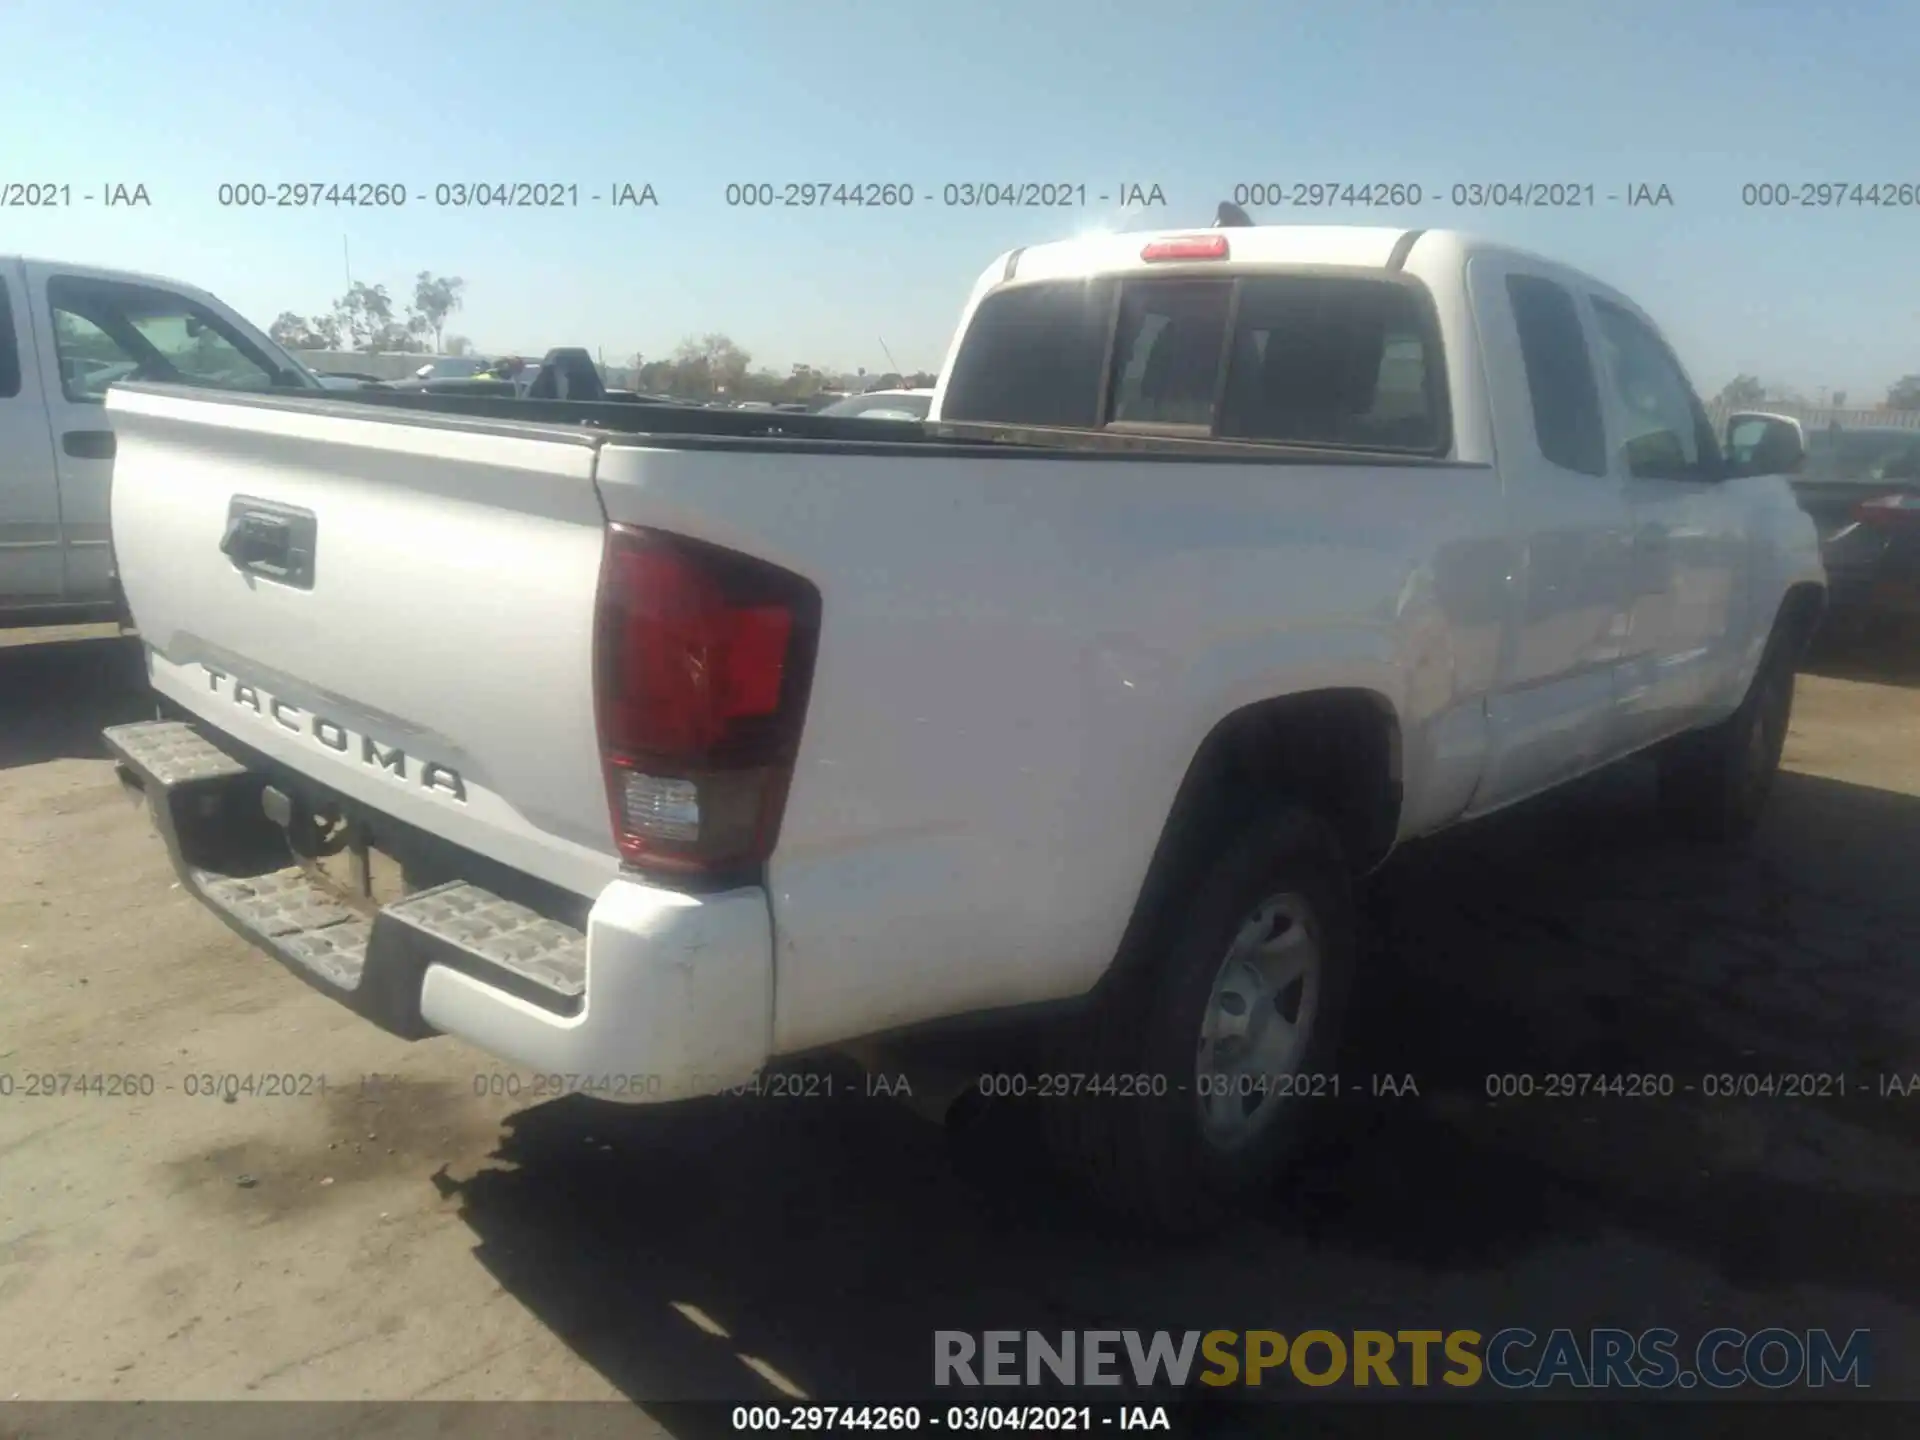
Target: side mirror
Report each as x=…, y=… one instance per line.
x=1765, y=445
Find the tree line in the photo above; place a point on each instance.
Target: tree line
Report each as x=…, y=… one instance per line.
x=713, y=367
x=363, y=319
x=702, y=367
x=1746, y=391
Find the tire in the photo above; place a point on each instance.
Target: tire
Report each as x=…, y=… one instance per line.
x=1714, y=783
x=1158, y=1160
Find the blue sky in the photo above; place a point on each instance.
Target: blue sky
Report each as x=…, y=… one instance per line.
x=1193, y=96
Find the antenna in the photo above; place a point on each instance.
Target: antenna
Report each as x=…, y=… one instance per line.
x=895, y=364
x=1231, y=215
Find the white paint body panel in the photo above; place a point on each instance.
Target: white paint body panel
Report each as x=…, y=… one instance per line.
x=1020, y=655
x=1018, y=660
x=31, y=561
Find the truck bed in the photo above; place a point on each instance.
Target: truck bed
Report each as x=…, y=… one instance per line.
x=692, y=426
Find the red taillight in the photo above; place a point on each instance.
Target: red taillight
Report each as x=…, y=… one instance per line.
x=1187, y=247
x=702, y=663
x=1883, y=512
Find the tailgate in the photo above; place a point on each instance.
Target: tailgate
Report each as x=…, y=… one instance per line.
x=402, y=613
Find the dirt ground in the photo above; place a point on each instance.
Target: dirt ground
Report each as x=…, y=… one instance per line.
x=400, y=1235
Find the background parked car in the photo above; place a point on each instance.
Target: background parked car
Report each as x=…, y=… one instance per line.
x=469, y=375
x=885, y=405
x=68, y=335
x=1861, y=485
x=452, y=367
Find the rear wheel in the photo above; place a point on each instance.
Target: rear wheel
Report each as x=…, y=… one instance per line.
x=1204, y=1066
x=1714, y=783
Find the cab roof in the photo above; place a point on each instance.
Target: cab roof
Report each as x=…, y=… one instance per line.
x=1103, y=253
x=1362, y=247
x=101, y=272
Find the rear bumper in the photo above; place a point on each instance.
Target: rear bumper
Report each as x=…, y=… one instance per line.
x=1872, y=573
x=660, y=996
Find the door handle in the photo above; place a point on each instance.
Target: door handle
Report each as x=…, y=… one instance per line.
x=257, y=540
x=88, y=444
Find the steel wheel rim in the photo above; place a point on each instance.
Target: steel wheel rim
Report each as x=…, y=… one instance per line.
x=1258, y=1020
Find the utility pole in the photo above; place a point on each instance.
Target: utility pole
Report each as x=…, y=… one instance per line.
x=346, y=261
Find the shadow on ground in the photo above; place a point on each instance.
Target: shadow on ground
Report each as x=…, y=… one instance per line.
x=686, y=1252
x=56, y=697
x=718, y=1250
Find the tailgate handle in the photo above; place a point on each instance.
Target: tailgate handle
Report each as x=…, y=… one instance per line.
x=271, y=540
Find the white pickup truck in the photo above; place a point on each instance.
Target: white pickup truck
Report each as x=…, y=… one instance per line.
x=647, y=746
x=67, y=332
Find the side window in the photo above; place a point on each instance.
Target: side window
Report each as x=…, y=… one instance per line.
x=1318, y=360
x=106, y=331
x=199, y=352
x=1032, y=356
x=1668, y=437
x=90, y=359
x=1166, y=352
x=9, y=347
x=1566, y=399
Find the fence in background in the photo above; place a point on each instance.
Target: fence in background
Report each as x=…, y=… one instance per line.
x=400, y=367
x=381, y=367
x=1819, y=417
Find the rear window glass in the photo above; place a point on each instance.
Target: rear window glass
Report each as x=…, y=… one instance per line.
x=1032, y=356
x=9, y=347
x=1314, y=360
x=1321, y=360
x=1166, y=352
